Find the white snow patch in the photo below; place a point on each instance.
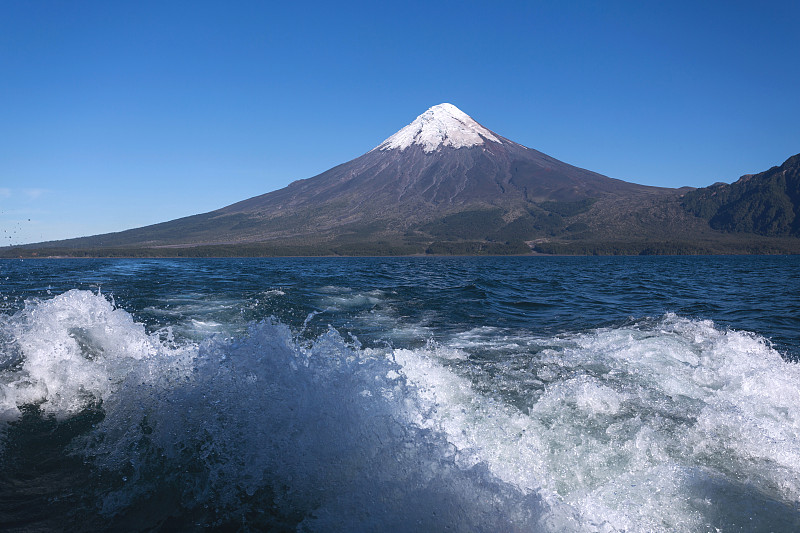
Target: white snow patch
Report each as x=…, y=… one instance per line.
x=441, y=125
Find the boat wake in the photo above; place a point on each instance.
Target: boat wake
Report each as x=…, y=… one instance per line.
x=664, y=424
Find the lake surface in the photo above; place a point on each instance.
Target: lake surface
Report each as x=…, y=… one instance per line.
x=404, y=394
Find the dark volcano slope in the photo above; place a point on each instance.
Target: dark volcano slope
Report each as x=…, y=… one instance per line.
x=445, y=184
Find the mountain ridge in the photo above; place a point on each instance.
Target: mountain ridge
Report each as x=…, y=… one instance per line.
x=442, y=184
x=767, y=203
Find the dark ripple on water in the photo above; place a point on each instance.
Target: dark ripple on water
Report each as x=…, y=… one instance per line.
x=598, y=357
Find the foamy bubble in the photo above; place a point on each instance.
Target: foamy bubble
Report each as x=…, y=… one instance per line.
x=75, y=350
x=322, y=426
x=633, y=421
x=667, y=425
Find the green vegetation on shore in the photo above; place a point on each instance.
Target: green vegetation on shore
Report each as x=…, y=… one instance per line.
x=752, y=244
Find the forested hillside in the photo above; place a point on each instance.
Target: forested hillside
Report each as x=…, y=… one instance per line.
x=766, y=204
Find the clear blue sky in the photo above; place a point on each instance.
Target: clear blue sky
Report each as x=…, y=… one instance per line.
x=120, y=114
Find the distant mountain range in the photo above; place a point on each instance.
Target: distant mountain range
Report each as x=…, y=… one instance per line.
x=444, y=184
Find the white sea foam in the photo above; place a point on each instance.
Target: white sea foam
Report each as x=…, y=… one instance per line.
x=665, y=428
x=671, y=425
x=319, y=426
x=346, y=298
x=274, y=292
x=75, y=349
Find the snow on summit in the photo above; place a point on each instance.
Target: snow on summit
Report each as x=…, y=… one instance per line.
x=441, y=125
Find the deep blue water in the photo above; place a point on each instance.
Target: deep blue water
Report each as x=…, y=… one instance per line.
x=363, y=394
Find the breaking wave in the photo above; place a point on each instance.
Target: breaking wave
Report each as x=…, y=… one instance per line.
x=659, y=425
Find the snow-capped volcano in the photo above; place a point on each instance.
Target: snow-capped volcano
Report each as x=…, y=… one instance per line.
x=441, y=125
x=444, y=160
x=442, y=165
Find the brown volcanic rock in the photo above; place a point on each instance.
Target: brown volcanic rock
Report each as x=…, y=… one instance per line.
x=442, y=164
x=495, y=172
